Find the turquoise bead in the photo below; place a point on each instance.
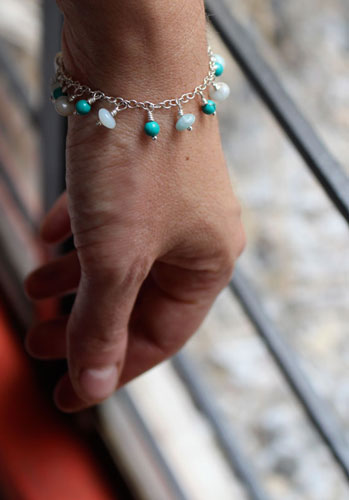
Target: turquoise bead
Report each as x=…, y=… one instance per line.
x=209, y=108
x=82, y=107
x=219, y=69
x=152, y=128
x=58, y=92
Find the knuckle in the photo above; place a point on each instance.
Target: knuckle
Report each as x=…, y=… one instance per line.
x=235, y=233
x=102, y=343
x=241, y=240
x=134, y=272
x=227, y=260
x=114, y=268
x=229, y=243
x=235, y=245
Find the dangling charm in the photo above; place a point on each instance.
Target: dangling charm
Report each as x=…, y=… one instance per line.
x=185, y=121
x=219, y=91
x=64, y=106
x=208, y=106
x=220, y=65
x=57, y=91
x=151, y=128
x=106, y=118
x=83, y=107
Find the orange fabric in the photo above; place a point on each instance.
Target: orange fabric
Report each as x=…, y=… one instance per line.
x=40, y=456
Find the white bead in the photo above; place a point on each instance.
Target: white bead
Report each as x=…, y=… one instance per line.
x=106, y=118
x=220, y=60
x=219, y=92
x=64, y=107
x=185, y=122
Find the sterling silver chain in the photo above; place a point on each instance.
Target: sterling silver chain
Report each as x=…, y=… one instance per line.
x=77, y=89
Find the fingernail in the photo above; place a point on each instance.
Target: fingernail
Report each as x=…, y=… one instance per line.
x=99, y=383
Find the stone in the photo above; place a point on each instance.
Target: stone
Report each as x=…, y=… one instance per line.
x=152, y=128
x=219, y=91
x=185, y=121
x=209, y=108
x=63, y=106
x=106, y=118
x=82, y=107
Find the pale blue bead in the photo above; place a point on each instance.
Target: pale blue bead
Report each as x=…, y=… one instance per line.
x=220, y=60
x=185, y=122
x=106, y=118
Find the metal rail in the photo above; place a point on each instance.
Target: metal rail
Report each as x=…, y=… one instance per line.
x=16, y=85
x=53, y=127
x=320, y=416
x=12, y=190
x=322, y=164
x=149, y=442
x=335, y=183
x=204, y=399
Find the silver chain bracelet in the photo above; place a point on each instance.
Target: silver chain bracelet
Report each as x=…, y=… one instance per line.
x=73, y=98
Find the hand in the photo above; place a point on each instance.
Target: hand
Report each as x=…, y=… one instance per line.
x=157, y=231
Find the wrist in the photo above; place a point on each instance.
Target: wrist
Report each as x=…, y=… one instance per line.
x=139, y=51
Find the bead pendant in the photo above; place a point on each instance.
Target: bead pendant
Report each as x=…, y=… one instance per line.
x=185, y=122
x=219, y=65
x=152, y=129
x=58, y=92
x=82, y=107
x=63, y=106
x=209, y=108
x=219, y=69
x=219, y=91
x=106, y=118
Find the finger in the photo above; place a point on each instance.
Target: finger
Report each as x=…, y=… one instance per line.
x=56, y=225
x=47, y=340
x=161, y=322
x=66, y=398
x=168, y=311
x=97, y=327
x=60, y=276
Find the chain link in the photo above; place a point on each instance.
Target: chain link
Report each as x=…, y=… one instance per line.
x=77, y=89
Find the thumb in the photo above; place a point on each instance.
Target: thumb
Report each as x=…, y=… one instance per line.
x=97, y=329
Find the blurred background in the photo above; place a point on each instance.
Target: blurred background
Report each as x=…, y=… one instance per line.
x=297, y=261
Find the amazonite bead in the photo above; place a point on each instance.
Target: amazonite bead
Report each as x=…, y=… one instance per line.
x=82, y=107
x=185, y=122
x=219, y=91
x=152, y=128
x=106, y=118
x=63, y=106
x=220, y=60
x=209, y=108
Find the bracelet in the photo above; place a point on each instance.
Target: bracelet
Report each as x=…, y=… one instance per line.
x=73, y=98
